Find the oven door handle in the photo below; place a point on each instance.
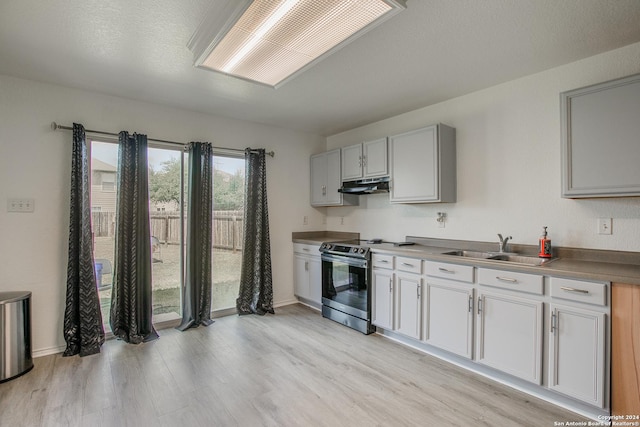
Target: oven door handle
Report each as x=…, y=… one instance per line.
x=356, y=262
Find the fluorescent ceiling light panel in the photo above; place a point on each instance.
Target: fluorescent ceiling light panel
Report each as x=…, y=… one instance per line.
x=270, y=41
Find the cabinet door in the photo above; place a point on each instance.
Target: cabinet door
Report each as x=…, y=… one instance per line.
x=374, y=158
x=382, y=298
x=576, y=353
x=319, y=179
x=409, y=306
x=448, y=317
x=509, y=335
x=352, y=162
x=315, y=279
x=414, y=166
x=301, y=276
x=333, y=197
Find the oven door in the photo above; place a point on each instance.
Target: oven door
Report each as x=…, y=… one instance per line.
x=345, y=285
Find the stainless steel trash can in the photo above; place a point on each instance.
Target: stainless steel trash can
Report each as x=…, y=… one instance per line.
x=15, y=335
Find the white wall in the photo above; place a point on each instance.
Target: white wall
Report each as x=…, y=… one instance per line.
x=35, y=163
x=508, y=160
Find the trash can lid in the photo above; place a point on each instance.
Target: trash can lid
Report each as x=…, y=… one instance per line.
x=13, y=296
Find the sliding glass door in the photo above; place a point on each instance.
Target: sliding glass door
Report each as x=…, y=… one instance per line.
x=167, y=211
x=228, y=200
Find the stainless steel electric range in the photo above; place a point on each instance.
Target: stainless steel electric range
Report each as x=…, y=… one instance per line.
x=346, y=276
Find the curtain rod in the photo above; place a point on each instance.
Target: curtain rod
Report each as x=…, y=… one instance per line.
x=56, y=126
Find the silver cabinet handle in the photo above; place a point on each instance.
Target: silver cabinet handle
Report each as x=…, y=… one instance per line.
x=554, y=319
x=507, y=279
x=581, y=291
x=407, y=264
x=384, y=261
x=479, y=305
x=305, y=249
x=470, y=303
x=360, y=161
x=444, y=270
x=324, y=190
x=418, y=291
x=364, y=160
x=390, y=287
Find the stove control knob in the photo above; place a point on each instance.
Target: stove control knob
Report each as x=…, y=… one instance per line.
x=354, y=250
x=361, y=250
x=329, y=246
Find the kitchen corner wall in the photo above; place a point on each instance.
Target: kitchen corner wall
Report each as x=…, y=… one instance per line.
x=35, y=162
x=508, y=161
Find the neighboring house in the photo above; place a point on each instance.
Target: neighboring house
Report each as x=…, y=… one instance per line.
x=103, y=186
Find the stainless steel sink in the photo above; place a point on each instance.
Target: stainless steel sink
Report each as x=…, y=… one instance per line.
x=508, y=257
x=470, y=254
x=521, y=259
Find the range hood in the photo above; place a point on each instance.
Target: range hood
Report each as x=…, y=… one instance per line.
x=366, y=186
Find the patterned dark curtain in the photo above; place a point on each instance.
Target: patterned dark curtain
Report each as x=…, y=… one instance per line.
x=196, y=303
x=256, y=284
x=83, y=330
x=131, y=308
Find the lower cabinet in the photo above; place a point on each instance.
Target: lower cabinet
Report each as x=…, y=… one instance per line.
x=577, y=353
x=307, y=268
x=409, y=305
x=382, y=298
x=506, y=320
x=448, y=317
x=509, y=335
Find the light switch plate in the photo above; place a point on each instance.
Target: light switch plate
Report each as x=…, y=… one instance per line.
x=21, y=205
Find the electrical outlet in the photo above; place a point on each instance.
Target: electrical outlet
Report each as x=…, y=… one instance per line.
x=20, y=205
x=442, y=216
x=604, y=226
x=341, y=220
x=305, y=220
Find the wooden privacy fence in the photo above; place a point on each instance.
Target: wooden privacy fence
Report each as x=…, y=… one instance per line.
x=227, y=227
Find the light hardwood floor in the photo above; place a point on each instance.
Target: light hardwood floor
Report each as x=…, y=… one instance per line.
x=290, y=369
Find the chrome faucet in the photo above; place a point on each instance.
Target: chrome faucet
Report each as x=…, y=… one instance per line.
x=503, y=242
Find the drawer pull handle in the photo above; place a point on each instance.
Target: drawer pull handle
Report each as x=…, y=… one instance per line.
x=384, y=261
x=444, y=270
x=581, y=291
x=407, y=264
x=305, y=249
x=507, y=279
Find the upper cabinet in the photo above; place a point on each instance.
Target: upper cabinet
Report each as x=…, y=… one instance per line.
x=422, y=163
x=601, y=139
x=366, y=160
x=325, y=180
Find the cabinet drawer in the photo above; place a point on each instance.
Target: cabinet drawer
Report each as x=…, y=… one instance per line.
x=519, y=282
x=382, y=261
x=303, y=248
x=410, y=265
x=579, y=291
x=461, y=273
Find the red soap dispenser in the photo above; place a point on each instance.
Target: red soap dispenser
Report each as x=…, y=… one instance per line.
x=545, y=245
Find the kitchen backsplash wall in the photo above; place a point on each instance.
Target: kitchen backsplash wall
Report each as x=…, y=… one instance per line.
x=508, y=160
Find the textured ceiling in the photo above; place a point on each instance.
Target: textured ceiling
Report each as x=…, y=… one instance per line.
x=433, y=51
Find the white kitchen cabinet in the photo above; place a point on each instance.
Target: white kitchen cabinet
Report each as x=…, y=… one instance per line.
x=422, y=165
x=577, y=353
x=326, y=180
x=382, y=284
x=366, y=160
x=577, y=317
x=600, y=149
x=307, y=273
x=409, y=305
x=509, y=334
x=448, y=316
